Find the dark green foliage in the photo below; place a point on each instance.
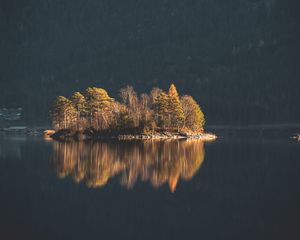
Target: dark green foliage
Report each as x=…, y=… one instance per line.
x=238, y=54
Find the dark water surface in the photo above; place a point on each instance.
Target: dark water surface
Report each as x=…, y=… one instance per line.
x=238, y=187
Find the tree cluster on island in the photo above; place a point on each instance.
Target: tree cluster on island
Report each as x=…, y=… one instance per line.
x=158, y=111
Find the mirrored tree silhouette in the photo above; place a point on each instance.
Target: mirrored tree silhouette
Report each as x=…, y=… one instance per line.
x=157, y=162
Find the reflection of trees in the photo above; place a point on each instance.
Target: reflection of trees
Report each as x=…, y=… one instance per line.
x=155, y=161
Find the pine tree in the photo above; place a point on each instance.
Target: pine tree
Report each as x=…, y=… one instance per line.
x=99, y=105
x=79, y=102
x=194, y=117
x=176, y=111
x=153, y=95
x=147, y=113
x=161, y=110
x=63, y=113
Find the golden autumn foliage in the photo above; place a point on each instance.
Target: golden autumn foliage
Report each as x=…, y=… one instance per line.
x=176, y=111
x=96, y=110
x=194, y=117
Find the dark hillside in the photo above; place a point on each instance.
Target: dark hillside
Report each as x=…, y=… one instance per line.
x=238, y=58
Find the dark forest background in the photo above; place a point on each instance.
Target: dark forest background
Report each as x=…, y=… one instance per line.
x=238, y=58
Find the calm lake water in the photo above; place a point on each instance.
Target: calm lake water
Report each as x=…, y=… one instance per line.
x=245, y=185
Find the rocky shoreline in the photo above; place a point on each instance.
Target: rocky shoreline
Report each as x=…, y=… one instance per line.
x=79, y=136
x=166, y=135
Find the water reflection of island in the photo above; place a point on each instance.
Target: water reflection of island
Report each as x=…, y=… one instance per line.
x=158, y=162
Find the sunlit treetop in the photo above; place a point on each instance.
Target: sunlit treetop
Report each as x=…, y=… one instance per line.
x=173, y=91
x=147, y=113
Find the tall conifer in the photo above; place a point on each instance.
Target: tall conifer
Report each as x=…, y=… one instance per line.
x=99, y=105
x=161, y=108
x=79, y=102
x=63, y=113
x=175, y=108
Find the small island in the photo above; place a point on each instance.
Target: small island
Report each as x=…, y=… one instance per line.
x=297, y=137
x=157, y=115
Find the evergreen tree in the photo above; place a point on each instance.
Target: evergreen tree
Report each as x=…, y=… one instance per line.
x=194, y=117
x=153, y=95
x=80, y=105
x=99, y=105
x=176, y=112
x=158, y=109
x=63, y=113
x=79, y=102
x=161, y=109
